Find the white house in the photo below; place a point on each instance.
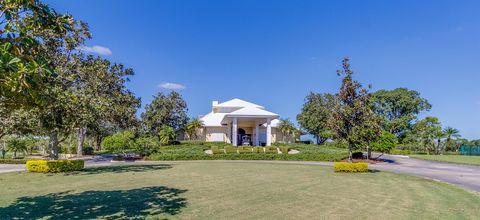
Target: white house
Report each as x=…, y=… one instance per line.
x=240, y=123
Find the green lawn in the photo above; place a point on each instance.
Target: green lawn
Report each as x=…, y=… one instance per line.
x=219, y=190
x=470, y=160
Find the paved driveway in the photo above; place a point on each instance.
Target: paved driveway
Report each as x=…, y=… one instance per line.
x=463, y=175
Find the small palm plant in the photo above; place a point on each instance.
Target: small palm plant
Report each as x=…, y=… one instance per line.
x=16, y=145
x=451, y=133
x=167, y=135
x=192, y=128
x=287, y=129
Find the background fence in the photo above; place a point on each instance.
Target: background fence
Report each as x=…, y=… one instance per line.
x=470, y=150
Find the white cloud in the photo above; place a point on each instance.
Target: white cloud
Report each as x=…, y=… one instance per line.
x=97, y=50
x=172, y=86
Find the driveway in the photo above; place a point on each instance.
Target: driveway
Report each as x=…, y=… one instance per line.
x=467, y=176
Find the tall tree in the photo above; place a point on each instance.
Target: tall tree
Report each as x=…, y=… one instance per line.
x=398, y=108
x=165, y=110
x=427, y=132
x=315, y=114
x=24, y=67
x=451, y=134
x=352, y=110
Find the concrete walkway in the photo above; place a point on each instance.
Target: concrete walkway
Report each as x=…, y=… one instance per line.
x=461, y=175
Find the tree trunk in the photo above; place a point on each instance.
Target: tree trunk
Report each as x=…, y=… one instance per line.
x=14, y=154
x=350, y=156
x=369, y=153
x=53, y=145
x=81, y=140
x=98, y=141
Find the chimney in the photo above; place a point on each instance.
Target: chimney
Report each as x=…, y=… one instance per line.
x=214, y=103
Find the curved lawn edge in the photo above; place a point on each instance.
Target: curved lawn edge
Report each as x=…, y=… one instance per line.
x=452, y=159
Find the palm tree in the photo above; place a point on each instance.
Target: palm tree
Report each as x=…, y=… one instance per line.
x=167, y=134
x=451, y=133
x=287, y=129
x=192, y=127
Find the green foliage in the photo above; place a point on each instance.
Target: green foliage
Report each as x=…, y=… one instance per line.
x=192, y=128
x=284, y=149
x=271, y=150
x=119, y=142
x=146, y=145
x=426, y=133
x=13, y=161
x=385, y=143
x=216, y=150
x=17, y=145
x=346, y=167
x=400, y=152
x=196, y=152
x=398, y=108
x=88, y=150
x=353, y=119
x=230, y=149
x=54, y=166
x=167, y=135
x=244, y=150
x=315, y=114
x=165, y=110
x=258, y=150
x=288, y=130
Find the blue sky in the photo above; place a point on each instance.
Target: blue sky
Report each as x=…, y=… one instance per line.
x=275, y=52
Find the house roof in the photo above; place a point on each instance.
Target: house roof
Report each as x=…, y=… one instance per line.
x=239, y=103
x=213, y=119
x=251, y=112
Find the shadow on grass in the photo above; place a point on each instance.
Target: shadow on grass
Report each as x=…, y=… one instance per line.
x=125, y=204
x=120, y=169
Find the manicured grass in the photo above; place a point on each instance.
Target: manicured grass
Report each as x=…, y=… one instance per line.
x=195, y=151
x=229, y=190
x=470, y=160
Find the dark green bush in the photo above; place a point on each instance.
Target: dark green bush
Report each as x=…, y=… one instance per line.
x=357, y=155
x=245, y=150
x=13, y=161
x=88, y=150
x=284, y=149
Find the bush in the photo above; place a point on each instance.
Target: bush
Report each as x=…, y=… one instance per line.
x=215, y=150
x=347, y=167
x=271, y=150
x=284, y=149
x=385, y=143
x=119, y=142
x=400, y=152
x=146, y=145
x=258, y=150
x=54, y=166
x=244, y=150
x=13, y=161
x=167, y=135
x=230, y=149
x=88, y=150
x=357, y=155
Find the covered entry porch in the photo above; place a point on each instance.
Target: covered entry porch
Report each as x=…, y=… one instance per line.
x=250, y=131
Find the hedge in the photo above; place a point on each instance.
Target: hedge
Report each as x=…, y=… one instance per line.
x=13, y=161
x=347, y=167
x=54, y=166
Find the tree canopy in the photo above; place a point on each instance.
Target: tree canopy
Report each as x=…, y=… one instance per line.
x=315, y=114
x=165, y=110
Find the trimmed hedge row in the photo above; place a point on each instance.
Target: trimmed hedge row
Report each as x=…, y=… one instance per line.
x=54, y=166
x=196, y=152
x=13, y=161
x=347, y=167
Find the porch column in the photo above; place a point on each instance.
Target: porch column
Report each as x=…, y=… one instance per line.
x=229, y=133
x=256, y=134
x=234, y=131
x=269, y=132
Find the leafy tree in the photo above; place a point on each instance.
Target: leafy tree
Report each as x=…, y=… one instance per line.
x=192, y=127
x=16, y=144
x=315, y=114
x=119, y=142
x=385, y=143
x=146, y=145
x=165, y=110
x=451, y=134
x=352, y=110
x=24, y=67
x=167, y=135
x=398, y=108
x=427, y=133
x=288, y=130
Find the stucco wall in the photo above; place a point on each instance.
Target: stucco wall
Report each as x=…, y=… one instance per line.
x=210, y=133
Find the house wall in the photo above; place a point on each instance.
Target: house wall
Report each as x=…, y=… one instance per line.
x=215, y=134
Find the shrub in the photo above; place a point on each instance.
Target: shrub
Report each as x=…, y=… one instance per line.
x=54, y=166
x=258, y=150
x=284, y=149
x=13, y=161
x=146, y=145
x=357, y=155
x=271, y=150
x=385, y=143
x=400, y=152
x=244, y=150
x=167, y=135
x=350, y=167
x=230, y=149
x=119, y=142
x=215, y=150
x=88, y=150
